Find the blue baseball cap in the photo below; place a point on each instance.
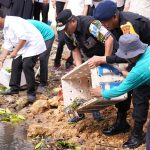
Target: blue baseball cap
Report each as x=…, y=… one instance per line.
x=105, y=10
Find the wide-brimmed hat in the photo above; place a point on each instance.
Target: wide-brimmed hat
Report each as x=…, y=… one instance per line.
x=130, y=46
x=63, y=18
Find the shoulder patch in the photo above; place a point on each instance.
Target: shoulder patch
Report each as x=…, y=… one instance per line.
x=128, y=28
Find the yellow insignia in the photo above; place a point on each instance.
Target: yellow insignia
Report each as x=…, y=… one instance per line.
x=128, y=28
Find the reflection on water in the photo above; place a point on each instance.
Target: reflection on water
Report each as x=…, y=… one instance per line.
x=13, y=138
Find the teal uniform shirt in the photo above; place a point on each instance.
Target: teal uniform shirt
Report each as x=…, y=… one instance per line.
x=46, y=31
x=139, y=75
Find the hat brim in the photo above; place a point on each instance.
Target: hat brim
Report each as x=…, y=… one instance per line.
x=131, y=54
x=61, y=28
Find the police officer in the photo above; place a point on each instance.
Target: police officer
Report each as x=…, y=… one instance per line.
x=121, y=23
x=84, y=34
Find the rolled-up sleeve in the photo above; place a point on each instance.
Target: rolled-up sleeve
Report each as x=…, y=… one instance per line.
x=7, y=44
x=99, y=31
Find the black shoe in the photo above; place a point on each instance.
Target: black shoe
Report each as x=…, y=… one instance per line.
x=120, y=126
x=135, y=141
x=116, y=129
x=9, y=92
x=31, y=98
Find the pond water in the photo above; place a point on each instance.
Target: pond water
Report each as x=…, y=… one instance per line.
x=13, y=137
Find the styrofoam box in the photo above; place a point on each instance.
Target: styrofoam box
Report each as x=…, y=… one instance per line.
x=5, y=76
x=78, y=82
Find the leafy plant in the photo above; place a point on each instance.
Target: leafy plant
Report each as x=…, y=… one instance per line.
x=2, y=88
x=64, y=144
x=76, y=103
x=7, y=116
x=40, y=145
x=8, y=70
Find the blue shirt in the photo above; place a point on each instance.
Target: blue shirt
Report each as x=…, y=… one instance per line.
x=139, y=75
x=46, y=31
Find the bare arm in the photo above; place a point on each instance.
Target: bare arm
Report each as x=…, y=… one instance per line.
x=3, y=56
x=77, y=57
x=109, y=46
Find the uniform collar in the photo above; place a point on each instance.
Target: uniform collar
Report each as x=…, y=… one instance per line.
x=78, y=29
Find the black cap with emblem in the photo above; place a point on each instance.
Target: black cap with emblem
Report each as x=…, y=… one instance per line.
x=63, y=18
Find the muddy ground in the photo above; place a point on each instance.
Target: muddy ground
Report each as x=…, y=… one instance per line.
x=46, y=117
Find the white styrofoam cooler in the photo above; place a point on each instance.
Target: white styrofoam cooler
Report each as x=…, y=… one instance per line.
x=78, y=82
x=5, y=76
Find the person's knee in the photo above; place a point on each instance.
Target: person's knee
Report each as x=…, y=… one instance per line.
x=27, y=65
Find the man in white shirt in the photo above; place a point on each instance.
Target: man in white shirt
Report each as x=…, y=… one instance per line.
x=41, y=6
x=24, y=43
x=78, y=7
x=141, y=7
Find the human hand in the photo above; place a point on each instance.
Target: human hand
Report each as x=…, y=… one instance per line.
x=125, y=73
x=96, y=92
x=13, y=54
x=96, y=60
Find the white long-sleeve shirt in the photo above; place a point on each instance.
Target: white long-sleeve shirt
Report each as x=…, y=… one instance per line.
x=15, y=29
x=77, y=6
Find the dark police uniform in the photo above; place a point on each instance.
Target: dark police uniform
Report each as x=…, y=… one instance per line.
x=5, y=7
x=89, y=36
x=135, y=24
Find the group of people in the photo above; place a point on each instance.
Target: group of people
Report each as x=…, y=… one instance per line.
x=97, y=39
x=26, y=9
x=99, y=36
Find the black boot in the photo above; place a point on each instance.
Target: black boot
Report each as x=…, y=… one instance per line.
x=120, y=126
x=136, y=139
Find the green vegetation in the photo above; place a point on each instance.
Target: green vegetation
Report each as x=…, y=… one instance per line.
x=2, y=88
x=7, y=116
x=8, y=70
x=76, y=103
x=66, y=145
x=40, y=145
